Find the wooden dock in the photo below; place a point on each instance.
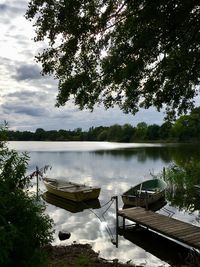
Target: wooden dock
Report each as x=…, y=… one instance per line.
x=170, y=227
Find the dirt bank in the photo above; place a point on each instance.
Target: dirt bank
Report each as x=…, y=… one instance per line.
x=80, y=255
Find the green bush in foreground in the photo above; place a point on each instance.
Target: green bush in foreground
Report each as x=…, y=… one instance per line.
x=24, y=228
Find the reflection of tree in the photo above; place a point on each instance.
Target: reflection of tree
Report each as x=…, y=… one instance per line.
x=184, y=153
x=167, y=153
x=183, y=199
x=181, y=180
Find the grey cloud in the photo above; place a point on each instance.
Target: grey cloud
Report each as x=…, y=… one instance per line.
x=59, y=116
x=8, y=9
x=3, y=8
x=11, y=108
x=28, y=72
x=34, y=112
x=28, y=103
x=28, y=97
x=23, y=95
x=18, y=38
x=7, y=63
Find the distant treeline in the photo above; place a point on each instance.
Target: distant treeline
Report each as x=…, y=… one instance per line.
x=184, y=129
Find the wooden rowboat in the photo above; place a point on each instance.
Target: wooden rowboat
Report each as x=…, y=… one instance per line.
x=145, y=193
x=72, y=191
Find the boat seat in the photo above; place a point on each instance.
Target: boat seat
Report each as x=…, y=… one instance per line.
x=65, y=186
x=146, y=191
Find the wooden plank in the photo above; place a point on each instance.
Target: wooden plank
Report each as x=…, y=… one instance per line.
x=197, y=245
x=191, y=238
x=163, y=220
x=168, y=228
x=186, y=231
x=173, y=228
x=132, y=210
x=144, y=218
x=155, y=221
x=152, y=223
x=178, y=232
x=177, y=227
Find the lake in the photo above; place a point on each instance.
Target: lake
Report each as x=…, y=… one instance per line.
x=114, y=167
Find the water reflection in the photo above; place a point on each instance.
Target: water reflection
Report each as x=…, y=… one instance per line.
x=184, y=198
x=181, y=191
x=74, y=146
x=114, y=169
x=69, y=205
x=142, y=154
x=176, y=254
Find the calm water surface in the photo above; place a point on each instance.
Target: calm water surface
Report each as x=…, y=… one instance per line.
x=114, y=167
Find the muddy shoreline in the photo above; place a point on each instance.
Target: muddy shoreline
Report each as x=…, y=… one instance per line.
x=68, y=255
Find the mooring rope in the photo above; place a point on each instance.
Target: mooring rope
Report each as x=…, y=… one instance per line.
x=169, y=212
x=106, y=203
x=112, y=200
x=108, y=230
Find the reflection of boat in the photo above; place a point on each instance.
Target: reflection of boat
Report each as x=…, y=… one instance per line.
x=71, y=191
x=70, y=205
x=145, y=193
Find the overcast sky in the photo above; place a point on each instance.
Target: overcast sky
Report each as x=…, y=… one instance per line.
x=27, y=99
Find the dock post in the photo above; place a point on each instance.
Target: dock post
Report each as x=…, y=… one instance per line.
x=116, y=206
x=123, y=223
x=37, y=196
x=164, y=173
x=37, y=177
x=146, y=201
x=117, y=219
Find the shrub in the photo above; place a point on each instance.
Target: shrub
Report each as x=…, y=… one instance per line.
x=24, y=228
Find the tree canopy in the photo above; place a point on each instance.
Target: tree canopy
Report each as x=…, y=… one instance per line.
x=130, y=53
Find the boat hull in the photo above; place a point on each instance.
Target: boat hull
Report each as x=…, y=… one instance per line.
x=142, y=201
x=72, y=191
x=145, y=194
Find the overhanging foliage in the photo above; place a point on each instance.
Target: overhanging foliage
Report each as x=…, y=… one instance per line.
x=133, y=53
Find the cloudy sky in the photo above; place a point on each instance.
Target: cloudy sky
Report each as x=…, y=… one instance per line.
x=27, y=99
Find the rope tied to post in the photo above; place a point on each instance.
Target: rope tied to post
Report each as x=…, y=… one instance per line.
x=102, y=218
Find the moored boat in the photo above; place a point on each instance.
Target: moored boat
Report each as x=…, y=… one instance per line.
x=145, y=193
x=71, y=191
